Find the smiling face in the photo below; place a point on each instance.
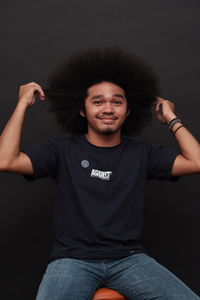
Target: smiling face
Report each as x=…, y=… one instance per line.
x=105, y=108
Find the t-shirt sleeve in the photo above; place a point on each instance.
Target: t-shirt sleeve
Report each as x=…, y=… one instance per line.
x=43, y=157
x=160, y=161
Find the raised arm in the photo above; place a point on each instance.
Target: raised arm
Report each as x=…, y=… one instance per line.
x=11, y=159
x=188, y=162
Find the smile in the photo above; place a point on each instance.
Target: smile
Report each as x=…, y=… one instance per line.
x=107, y=120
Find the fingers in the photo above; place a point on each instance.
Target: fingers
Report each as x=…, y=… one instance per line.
x=41, y=92
x=164, y=110
x=36, y=88
x=158, y=103
x=161, y=102
x=28, y=93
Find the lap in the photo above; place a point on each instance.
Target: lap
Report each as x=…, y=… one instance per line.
x=137, y=277
x=67, y=279
x=140, y=277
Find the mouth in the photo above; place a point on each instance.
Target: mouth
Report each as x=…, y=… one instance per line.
x=111, y=118
x=107, y=120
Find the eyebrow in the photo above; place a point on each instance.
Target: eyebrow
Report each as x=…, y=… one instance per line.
x=115, y=95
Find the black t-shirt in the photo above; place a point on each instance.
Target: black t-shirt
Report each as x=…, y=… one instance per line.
x=99, y=192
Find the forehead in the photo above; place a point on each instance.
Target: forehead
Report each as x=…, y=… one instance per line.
x=105, y=87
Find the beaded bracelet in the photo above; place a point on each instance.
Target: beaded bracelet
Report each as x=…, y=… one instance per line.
x=173, y=122
x=177, y=129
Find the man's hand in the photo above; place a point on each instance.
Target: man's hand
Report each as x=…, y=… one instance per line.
x=188, y=161
x=164, y=110
x=11, y=158
x=28, y=93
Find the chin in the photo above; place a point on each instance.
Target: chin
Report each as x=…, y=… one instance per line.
x=108, y=131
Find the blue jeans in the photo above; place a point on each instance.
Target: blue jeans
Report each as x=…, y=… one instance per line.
x=137, y=277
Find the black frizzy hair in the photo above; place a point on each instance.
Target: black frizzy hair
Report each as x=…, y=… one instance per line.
x=68, y=85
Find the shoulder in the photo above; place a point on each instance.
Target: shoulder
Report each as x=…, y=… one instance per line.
x=149, y=149
x=130, y=143
x=49, y=145
x=64, y=144
x=60, y=140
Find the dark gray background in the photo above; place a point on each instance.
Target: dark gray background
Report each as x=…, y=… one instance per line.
x=35, y=36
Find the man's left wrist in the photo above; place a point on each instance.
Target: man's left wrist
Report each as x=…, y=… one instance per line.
x=170, y=117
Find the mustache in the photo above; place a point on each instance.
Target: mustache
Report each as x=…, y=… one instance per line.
x=101, y=117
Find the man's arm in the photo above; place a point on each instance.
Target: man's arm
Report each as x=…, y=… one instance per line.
x=11, y=159
x=188, y=161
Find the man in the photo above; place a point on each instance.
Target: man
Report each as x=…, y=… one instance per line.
x=101, y=96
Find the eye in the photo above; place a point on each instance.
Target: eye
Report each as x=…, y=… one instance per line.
x=117, y=102
x=97, y=102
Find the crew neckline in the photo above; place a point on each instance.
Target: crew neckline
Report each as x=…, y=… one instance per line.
x=86, y=142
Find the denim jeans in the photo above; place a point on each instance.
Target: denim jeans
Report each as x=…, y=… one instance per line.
x=137, y=277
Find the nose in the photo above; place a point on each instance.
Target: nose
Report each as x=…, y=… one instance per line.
x=108, y=108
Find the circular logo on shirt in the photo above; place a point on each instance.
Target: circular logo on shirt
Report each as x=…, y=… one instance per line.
x=85, y=163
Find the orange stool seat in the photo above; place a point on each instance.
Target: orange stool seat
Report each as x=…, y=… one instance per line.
x=107, y=294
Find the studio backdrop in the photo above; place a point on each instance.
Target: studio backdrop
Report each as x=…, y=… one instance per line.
x=35, y=37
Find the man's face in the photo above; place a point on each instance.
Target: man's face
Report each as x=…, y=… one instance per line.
x=105, y=108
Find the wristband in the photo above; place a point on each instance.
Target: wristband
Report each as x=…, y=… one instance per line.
x=173, y=122
x=177, y=129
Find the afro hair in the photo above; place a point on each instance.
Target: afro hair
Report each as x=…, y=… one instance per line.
x=69, y=82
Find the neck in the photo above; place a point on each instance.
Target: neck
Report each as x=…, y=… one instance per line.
x=102, y=140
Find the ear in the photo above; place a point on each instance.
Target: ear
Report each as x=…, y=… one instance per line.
x=82, y=113
x=128, y=112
